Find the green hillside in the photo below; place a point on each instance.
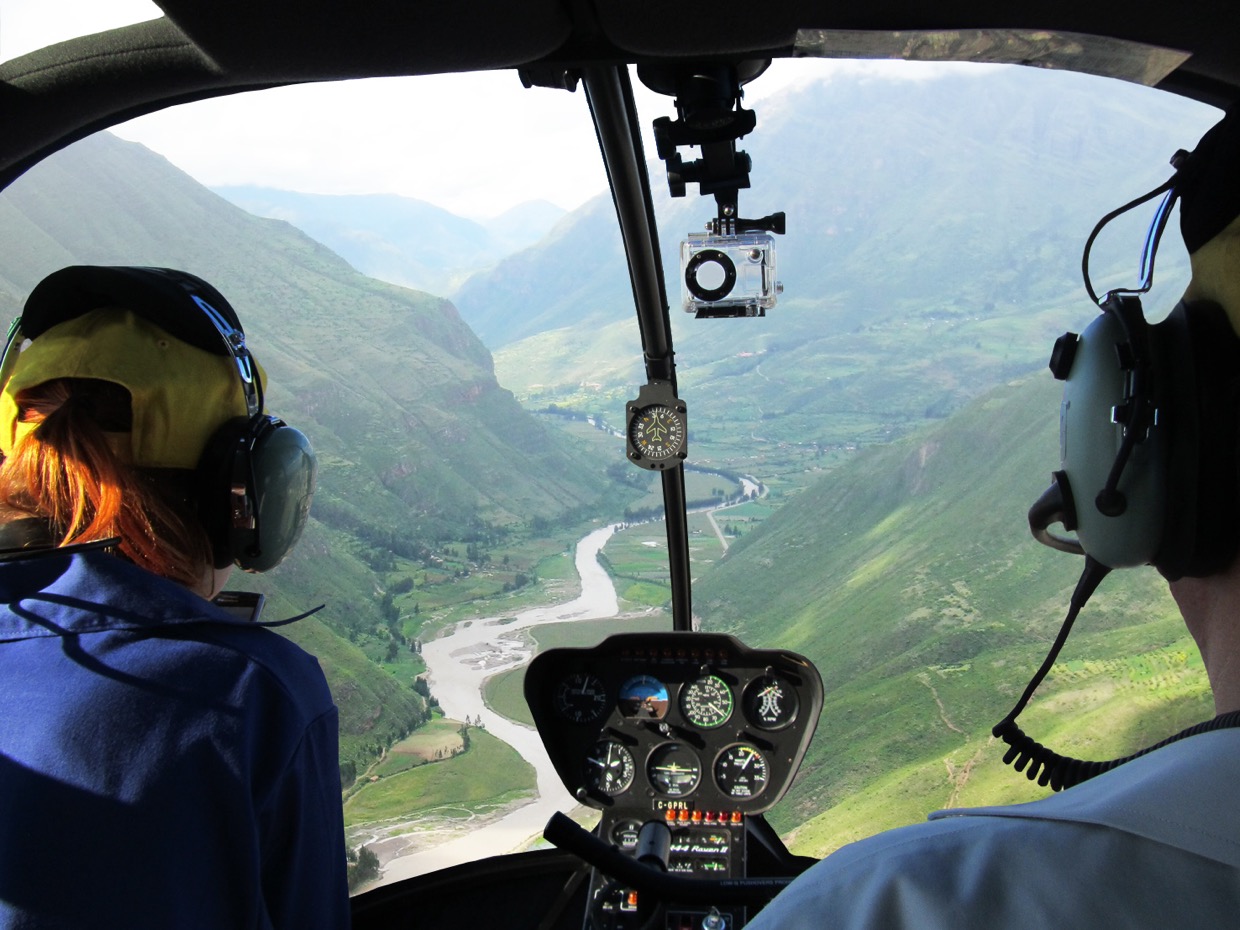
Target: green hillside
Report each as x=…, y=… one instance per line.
x=420, y=450
x=910, y=579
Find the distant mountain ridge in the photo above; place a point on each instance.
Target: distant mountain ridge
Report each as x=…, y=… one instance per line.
x=399, y=239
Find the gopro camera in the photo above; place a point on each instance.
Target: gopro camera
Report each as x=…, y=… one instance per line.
x=728, y=276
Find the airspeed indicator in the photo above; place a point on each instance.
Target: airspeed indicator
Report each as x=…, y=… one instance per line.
x=580, y=698
x=707, y=702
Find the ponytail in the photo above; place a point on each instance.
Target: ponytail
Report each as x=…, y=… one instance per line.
x=68, y=471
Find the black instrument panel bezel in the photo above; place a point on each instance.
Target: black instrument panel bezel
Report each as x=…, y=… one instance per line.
x=676, y=659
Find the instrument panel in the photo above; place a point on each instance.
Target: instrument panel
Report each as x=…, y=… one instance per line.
x=694, y=726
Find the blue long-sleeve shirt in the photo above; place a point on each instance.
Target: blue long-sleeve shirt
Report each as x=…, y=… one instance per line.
x=161, y=764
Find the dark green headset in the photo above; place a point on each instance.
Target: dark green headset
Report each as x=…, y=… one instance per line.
x=256, y=476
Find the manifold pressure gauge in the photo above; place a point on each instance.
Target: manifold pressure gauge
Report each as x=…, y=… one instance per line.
x=657, y=427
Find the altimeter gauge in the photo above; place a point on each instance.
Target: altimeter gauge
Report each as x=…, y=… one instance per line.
x=609, y=768
x=656, y=427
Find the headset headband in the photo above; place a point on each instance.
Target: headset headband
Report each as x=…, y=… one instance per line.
x=183, y=305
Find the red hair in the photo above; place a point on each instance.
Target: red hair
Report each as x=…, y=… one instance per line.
x=67, y=471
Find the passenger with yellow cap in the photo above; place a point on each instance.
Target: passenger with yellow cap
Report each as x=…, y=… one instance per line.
x=164, y=762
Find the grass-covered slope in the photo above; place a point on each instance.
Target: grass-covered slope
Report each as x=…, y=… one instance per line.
x=910, y=579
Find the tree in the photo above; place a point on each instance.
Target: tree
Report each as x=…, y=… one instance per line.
x=363, y=867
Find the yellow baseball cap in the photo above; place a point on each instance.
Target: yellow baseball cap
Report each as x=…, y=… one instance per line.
x=98, y=322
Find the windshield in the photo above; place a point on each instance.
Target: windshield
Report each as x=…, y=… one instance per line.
x=431, y=274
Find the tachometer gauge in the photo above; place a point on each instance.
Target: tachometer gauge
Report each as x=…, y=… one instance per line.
x=644, y=697
x=741, y=771
x=580, y=698
x=673, y=770
x=771, y=703
x=707, y=702
x=609, y=768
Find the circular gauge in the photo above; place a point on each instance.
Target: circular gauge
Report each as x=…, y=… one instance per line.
x=771, y=703
x=609, y=768
x=673, y=770
x=707, y=702
x=580, y=698
x=643, y=696
x=657, y=432
x=625, y=833
x=741, y=771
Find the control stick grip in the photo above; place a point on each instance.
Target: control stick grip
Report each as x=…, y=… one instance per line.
x=654, y=844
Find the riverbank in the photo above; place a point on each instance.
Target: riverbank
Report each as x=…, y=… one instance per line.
x=458, y=663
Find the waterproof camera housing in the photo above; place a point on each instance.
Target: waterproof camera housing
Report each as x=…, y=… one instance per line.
x=728, y=276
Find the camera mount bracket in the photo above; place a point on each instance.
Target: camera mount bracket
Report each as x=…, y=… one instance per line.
x=710, y=116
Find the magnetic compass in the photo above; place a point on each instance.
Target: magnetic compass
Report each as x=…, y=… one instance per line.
x=657, y=428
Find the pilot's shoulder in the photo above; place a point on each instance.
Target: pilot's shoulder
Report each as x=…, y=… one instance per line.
x=985, y=869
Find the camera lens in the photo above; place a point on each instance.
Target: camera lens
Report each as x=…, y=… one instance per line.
x=704, y=269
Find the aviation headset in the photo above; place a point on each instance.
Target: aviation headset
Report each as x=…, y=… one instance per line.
x=256, y=475
x=1149, y=434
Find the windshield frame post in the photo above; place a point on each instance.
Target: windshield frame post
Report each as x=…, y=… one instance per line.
x=609, y=93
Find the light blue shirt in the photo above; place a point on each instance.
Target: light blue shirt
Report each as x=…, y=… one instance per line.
x=1153, y=843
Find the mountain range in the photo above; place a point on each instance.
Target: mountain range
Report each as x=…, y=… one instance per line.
x=398, y=239
x=933, y=249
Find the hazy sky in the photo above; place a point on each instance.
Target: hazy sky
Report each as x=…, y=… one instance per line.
x=476, y=144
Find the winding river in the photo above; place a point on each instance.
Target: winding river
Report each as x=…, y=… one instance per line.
x=458, y=663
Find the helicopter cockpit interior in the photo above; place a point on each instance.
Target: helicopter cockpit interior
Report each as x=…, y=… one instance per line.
x=685, y=748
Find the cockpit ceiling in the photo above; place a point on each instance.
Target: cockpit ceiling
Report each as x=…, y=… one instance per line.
x=55, y=95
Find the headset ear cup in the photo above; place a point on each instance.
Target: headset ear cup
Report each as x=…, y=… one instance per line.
x=224, y=494
x=257, y=478
x=283, y=470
